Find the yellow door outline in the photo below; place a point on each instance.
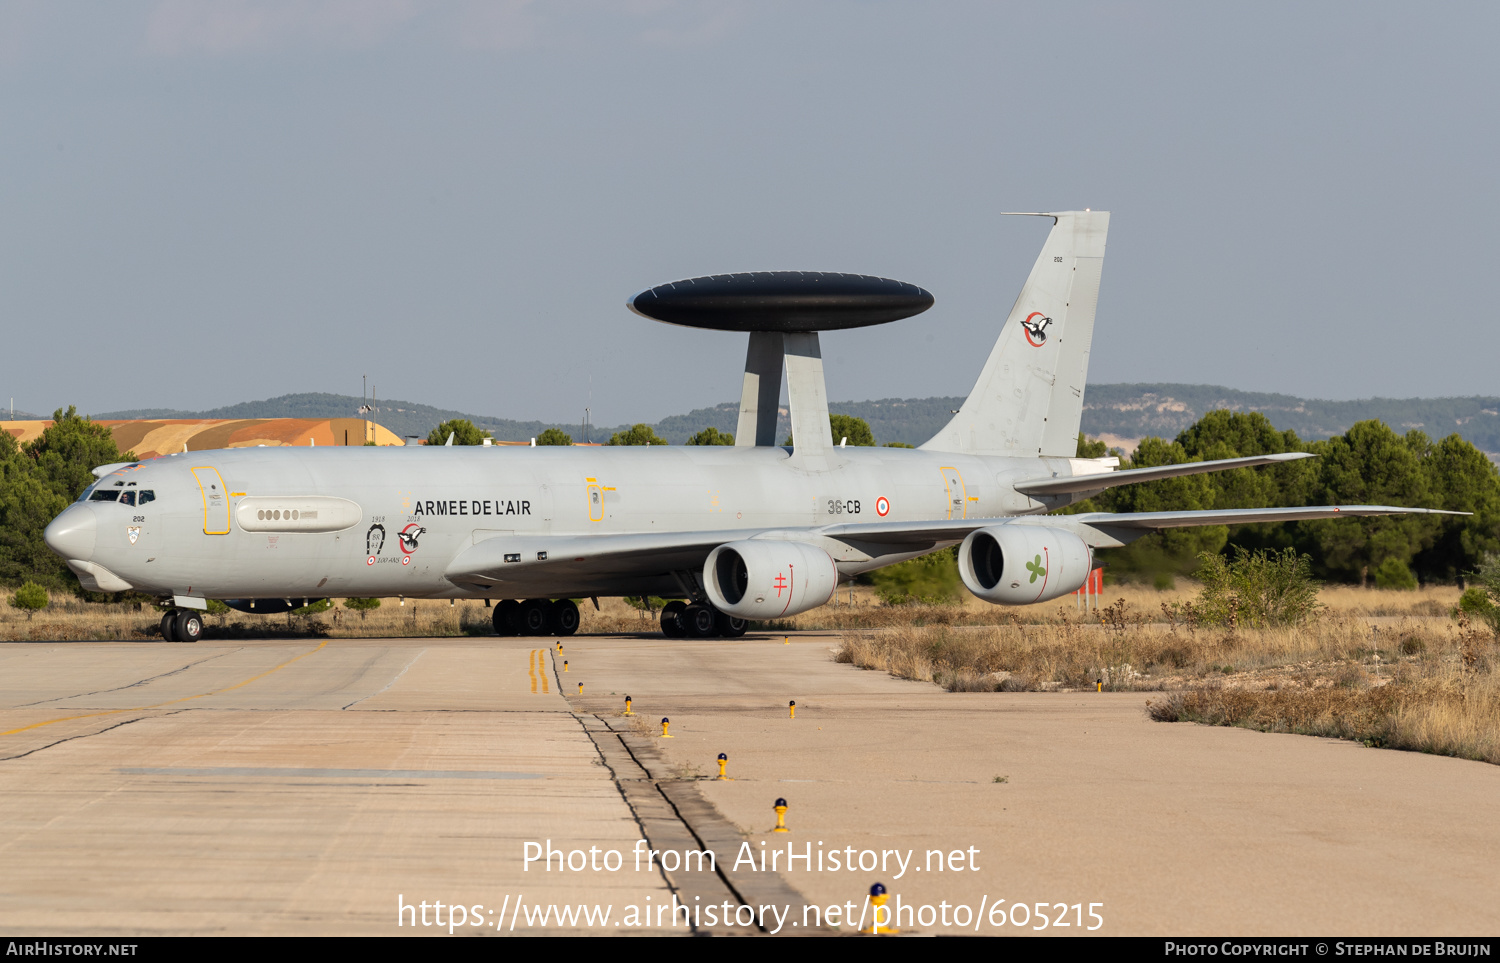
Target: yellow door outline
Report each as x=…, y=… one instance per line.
x=596, y=501
x=215, y=501
x=953, y=486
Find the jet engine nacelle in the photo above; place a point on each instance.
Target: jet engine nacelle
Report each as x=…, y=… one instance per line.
x=1021, y=564
x=768, y=579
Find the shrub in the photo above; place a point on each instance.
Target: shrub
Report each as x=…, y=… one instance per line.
x=554, y=436
x=1482, y=601
x=30, y=598
x=1393, y=574
x=1257, y=589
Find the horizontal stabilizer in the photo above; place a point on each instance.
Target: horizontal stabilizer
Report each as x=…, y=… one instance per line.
x=1113, y=479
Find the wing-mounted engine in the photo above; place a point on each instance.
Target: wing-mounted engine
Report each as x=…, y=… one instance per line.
x=769, y=579
x=1021, y=564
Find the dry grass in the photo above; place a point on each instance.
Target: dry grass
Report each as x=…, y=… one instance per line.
x=1383, y=668
x=75, y=620
x=1447, y=712
x=79, y=621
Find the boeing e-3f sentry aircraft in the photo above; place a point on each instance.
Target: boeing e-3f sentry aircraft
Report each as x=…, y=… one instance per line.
x=732, y=534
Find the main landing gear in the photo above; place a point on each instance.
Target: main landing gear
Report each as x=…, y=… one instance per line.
x=681, y=620
x=182, y=625
x=536, y=617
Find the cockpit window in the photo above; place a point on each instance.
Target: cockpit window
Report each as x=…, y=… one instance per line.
x=105, y=495
x=127, y=497
x=148, y=496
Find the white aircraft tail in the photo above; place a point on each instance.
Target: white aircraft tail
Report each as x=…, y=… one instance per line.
x=1029, y=397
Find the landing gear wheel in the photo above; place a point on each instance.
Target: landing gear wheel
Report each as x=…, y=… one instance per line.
x=507, y=617
x=562, y=617
x=533, y=616
x=167, y=632
x=731, y=627
x=670, y=626
x=698, y=622
x=187, y=626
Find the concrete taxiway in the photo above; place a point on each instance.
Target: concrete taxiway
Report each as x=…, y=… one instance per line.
x=306, y=787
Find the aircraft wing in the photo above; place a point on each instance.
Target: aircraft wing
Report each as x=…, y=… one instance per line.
x=1103, y=529
x=543, y=562
x=585, y=560
x=1113, y=479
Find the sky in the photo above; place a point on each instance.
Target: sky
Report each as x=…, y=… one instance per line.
x=211, y=201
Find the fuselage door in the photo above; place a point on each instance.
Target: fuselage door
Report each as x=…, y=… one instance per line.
x=596, y=500
x=953, y=485
x=215, y=501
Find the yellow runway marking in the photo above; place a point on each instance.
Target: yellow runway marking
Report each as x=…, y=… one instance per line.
x=542, y=664
x=169, y=702
x=531, y=670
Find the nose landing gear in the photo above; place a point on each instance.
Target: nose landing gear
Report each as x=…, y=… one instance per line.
x=182, y=625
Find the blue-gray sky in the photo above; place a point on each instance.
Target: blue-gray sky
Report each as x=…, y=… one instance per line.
x=210, y=201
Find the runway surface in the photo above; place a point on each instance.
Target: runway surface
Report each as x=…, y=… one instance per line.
x=315, y=788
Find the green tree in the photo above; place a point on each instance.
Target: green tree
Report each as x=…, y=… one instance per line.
x=27, y=504
x=932, y=578
x=462, y=430
x=31, y=598
x=362, y=606
x=857, y=430
x=640, y=434
x=36, y=483
x=1175, y=551
x=897, y=444
x=67, y=452
x=554, y=436
x=1369, y=465
x=1461, y=479
x=711, y=436
x=1091, y=447
x=1229, y=434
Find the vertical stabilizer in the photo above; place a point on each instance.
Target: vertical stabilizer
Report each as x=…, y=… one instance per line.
x=1029, y=397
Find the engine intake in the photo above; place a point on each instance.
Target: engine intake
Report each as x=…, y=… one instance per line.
x=767, y=579
x=1022, y=564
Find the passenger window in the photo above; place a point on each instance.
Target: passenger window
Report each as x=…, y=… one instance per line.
x=105, y=495
x=148, y=496
x=127, y=498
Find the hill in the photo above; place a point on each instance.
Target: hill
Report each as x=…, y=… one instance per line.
x=1121, y=413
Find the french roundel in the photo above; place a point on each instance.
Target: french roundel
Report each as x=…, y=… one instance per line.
x=882, y=506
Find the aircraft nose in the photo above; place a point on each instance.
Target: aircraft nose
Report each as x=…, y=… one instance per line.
x=72, y=533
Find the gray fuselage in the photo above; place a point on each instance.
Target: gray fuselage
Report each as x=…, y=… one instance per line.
x=408, y=512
